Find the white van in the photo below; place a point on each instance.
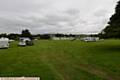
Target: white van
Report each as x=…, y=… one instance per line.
x=4, y=42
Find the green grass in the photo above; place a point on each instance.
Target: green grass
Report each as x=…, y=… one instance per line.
x=63, y=60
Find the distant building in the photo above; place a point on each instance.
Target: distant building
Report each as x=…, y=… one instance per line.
x=62, y=38
x=90, y=39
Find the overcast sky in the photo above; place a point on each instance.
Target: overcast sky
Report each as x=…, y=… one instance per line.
x=55, y=16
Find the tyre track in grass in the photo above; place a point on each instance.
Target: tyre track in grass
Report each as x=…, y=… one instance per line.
x=97, y=71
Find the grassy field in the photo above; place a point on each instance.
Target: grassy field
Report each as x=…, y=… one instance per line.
x=63, y=60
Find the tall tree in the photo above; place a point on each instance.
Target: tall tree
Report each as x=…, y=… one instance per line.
x=113, y=28
x=26, y=33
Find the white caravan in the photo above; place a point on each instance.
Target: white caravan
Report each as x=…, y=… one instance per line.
x=24, y=41
x=4, y=42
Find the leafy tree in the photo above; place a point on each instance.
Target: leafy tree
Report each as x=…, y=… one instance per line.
x=13, y=36
x=3, y=35
x=45, y=36
x=113, y=28
x=26, y=33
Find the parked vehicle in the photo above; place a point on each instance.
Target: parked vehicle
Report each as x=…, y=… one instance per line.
x=4, y=42
x=24, y=41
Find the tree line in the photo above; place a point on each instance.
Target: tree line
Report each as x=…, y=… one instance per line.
x=27, y=33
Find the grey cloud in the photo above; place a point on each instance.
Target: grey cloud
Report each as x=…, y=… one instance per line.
x=51, y=16
x=101, y=13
